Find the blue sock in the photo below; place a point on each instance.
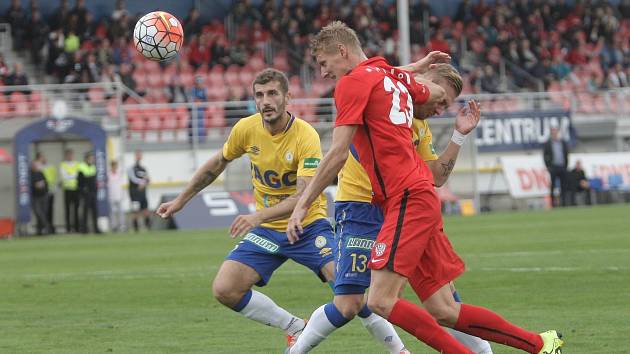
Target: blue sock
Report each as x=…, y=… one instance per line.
x=456, y=297
x=334, y=316
x=365, y=312
x=243, y=302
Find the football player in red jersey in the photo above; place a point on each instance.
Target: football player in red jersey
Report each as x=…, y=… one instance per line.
x=375, y=106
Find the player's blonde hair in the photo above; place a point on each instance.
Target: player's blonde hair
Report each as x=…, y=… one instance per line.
x=448, y=73
x=335, y=32
x=269, y=75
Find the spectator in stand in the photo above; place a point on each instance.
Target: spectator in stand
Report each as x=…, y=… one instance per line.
x=200, y=52
x=175, y=91
x=556, y=156
x=71, y=43
x=17, y=77
x=16, y=17
x=109, y=77
x=60, y=15
x=578, y=185
x=198, y=94
x=193, y=23
x=490, y=82
x=39, y=203
x=119, y=10
x=92, y=68
x=4, y=69
x=126, y=77
x=115, y=180
x=616, y=77
x=81, y=13
x=103, y=52
x=37, y=34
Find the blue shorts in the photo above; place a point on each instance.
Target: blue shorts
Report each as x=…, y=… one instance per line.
x=356, y=227
x=265, y=249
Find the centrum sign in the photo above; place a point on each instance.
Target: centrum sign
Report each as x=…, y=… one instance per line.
x=524, y=130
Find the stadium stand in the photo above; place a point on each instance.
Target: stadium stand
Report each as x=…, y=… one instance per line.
x=534, y=45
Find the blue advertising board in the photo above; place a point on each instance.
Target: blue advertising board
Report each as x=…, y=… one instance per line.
x=524, y=130
x=216, y=210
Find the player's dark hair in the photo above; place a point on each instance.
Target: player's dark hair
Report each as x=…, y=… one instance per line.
x=269, y=75
x=335, y=32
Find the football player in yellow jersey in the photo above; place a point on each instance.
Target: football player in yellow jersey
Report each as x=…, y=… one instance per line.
x=284, y=152
x=358, y=221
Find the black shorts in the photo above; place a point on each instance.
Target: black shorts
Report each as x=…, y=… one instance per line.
x=139, y=202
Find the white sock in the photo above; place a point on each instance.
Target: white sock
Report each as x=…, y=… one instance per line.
x=261, y=308
x=316, y=330
x=383, y=332
x=473, y=343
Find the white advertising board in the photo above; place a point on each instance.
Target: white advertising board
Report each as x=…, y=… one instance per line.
x=527, y=176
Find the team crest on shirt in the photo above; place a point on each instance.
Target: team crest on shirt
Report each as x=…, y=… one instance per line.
x=320, y=241
x=380, y=248
x=254, y=150
x=289, y=156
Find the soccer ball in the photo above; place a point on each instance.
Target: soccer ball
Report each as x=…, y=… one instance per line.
x=158, y=36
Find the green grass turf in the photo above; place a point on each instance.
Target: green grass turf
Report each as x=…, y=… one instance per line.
x=150, y=293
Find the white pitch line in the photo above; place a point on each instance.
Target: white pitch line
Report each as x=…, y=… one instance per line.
x=546, y=253
x=548, y=269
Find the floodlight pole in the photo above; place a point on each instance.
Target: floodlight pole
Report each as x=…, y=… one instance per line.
x=402, y=7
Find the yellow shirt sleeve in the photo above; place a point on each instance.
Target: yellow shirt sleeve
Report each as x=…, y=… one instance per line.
x=235, y=145
x=310, y=153
x=424, y=145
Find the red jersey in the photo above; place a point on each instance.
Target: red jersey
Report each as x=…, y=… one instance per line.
x=379, y=99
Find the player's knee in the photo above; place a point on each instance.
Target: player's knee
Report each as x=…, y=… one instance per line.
x=444, y=314
x=381, y=306
x=225, y=294
x=349, y=306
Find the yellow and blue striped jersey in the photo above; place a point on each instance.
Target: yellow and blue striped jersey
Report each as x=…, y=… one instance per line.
x=354, y=183
x=277, y=161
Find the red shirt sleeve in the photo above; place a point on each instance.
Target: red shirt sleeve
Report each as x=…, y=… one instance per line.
x=419, y=92
x=351, y=98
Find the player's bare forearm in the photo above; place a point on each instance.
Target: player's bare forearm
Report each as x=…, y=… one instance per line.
x=443, y=166
x=204, y=176
x=330, y=165
x=284, y=209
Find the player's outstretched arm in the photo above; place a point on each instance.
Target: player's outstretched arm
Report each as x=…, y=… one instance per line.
x=465, y=122
x=423, y=65
x=204, y=176
x=328, y=168
x=243, y=223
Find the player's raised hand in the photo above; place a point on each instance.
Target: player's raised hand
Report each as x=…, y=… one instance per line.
x=468, y=117
x=435, y=57
x=243, y=223
x=295, y=229
x=168, y=209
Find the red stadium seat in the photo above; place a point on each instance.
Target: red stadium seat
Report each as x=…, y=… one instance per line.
x=96, y=95
x=5, y=109
x=215, y=116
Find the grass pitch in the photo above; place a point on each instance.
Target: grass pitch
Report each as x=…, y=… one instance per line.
x=150, y=293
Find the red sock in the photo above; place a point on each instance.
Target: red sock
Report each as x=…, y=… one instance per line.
x=421, y=325
x=483, y=323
